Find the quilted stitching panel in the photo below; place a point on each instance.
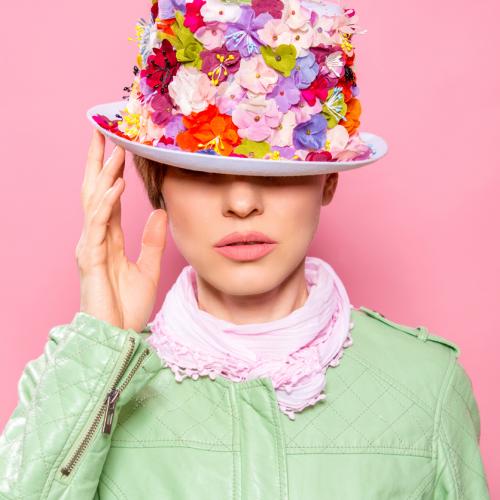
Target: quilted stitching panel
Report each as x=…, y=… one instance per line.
x=362, y=410
x=195, y=413
x=459, y=435
x=57, y=392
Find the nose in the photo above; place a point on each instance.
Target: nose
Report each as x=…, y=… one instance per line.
x=242, y=198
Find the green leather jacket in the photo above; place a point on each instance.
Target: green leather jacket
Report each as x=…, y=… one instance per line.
x=98, y=417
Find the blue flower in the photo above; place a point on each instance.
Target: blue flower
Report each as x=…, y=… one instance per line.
x=310, y=134
x=305, y=71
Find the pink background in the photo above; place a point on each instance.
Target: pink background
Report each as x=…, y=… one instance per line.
x=414, y=236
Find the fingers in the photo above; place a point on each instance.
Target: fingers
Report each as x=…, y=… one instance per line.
x=97, y=226
x=100, y=177
x=153, y=244
x=95, y=156
x=115, y=230
x=111, y=170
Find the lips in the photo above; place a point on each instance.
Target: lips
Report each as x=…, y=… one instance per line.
x=245, y=246
x=252, y=237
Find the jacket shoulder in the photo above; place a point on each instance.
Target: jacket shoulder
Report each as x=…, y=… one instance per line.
x=410, y=358
x=419, y=332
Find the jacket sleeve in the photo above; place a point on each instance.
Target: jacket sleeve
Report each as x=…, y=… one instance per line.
x=52, y=446
x=460, y=470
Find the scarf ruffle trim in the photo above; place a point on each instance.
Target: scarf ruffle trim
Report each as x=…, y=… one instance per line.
x=304, y=362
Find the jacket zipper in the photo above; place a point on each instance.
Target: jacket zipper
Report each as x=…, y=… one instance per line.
x=107, y=407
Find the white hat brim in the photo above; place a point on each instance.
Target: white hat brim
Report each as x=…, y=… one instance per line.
x=232, y=164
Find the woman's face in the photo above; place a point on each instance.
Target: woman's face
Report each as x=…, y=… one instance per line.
x=204, y=207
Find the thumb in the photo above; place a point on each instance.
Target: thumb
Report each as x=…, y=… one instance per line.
x=153, y=243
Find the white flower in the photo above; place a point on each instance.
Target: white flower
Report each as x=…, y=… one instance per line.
x=191, y=90
x=324, y=7
x=147, y=38
x=215, y=10
x=338, y=137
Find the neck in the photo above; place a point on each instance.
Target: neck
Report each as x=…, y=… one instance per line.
x=258, y=308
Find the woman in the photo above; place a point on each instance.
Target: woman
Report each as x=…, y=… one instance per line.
x=398, y=420
x=256, y=379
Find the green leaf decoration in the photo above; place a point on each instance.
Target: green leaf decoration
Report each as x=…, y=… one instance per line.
x=282, y=58
x=187, y=47
x=253, y=149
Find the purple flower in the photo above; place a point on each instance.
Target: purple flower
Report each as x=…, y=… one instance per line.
x=218, y=63
x=167, y=8
x=305, y=71
x=285, y=93
x=310, y=134
x=174, y=126
x=285, y=151
x=162, y=106
x=146, y=90
x=242, y=35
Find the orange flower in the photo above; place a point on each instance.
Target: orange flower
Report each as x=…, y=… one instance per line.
x=165, y=26
x=209, y=129
x=353, y=113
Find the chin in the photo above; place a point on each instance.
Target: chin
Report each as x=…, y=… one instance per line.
x=247, y=278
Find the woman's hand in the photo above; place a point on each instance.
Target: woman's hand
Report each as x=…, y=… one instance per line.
x=112, y=288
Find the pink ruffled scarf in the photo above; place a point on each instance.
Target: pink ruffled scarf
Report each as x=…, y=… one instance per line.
x=294, y=351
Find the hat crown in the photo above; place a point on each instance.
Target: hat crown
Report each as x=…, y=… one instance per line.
x=268, y=79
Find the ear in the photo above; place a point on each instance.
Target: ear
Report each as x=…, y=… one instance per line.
x=329, y=187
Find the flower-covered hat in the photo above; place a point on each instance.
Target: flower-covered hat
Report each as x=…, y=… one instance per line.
x=258, y=87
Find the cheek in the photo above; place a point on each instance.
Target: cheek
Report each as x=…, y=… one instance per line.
x=189, y=212
x=299, y=212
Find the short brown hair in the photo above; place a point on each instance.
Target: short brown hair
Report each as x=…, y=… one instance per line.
x=152, y=174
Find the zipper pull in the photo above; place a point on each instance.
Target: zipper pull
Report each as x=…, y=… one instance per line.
x=109, y=412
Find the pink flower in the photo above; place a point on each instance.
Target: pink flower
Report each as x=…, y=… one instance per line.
x=344, y=147
x=256, y=118
x=211, y=35
x=229, y=93
x=304, y=111
x=282, y=135
x=148, y=130
x=275, y=32
x=296, y=16
x=344, y=25
x=322, y=31
x=255, y=75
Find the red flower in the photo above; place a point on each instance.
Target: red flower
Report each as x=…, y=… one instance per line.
x=104, y=122
x=161, y=66
x=319, y=156
x=318, y=89
x=154, y=11
x=194, y=19
x=108, y=124
x=346, y=89
x=273, y=7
